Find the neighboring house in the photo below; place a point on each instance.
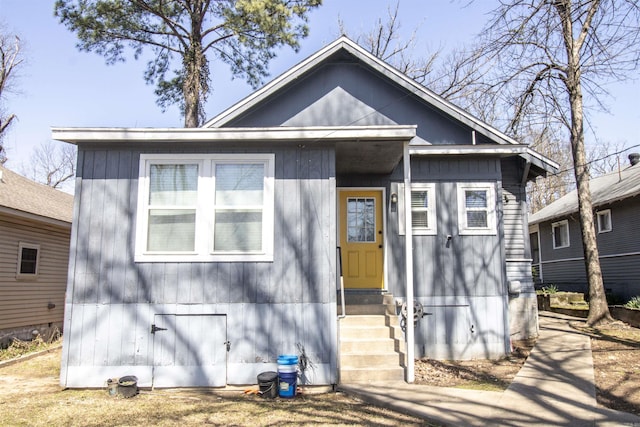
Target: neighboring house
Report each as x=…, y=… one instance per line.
x=556, y=239
x=200, y=255
x=35, y=229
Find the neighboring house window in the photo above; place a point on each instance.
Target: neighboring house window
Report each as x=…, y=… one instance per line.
x=604, y=221
x=28, y=256
x=476, y=208
x=205, y=207
x=560, y=231
x=423, y=208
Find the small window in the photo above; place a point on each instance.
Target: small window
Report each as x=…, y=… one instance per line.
x=28, y=256
x=560, y=232
x=476, y=208
x=423, y=208
x=604, y=221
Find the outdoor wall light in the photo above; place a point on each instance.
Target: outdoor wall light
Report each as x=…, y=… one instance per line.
x=394, y=198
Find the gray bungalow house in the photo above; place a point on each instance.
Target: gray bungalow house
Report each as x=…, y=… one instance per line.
x=200, y=255
x=556, y=239
x=35, y=229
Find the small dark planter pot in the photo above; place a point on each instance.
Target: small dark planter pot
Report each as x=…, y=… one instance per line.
x=128, y=386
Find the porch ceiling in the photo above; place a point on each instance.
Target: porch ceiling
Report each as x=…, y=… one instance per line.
x=367, y=156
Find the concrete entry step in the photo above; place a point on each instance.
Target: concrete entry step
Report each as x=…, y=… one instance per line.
x=372, y=346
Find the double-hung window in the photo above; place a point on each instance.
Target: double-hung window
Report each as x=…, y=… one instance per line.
x=560, y=231
x=205, y=207
x=423, y=208
x=28, y=257
x=604, y=221
x=476, y=208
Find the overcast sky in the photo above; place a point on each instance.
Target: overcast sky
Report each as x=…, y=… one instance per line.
x=60, y=86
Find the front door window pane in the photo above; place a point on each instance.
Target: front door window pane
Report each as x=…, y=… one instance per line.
x=361, y=222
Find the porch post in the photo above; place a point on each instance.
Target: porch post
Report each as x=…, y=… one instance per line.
x=408, y=236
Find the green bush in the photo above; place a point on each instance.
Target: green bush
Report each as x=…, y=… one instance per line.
x=633, y=302
x=550, y=289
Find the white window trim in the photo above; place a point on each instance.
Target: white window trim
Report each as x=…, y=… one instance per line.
x=606, y=212
x=204, y=208
x=22, y=245
x=491, y=228
x=553, y=233
x=431, y=210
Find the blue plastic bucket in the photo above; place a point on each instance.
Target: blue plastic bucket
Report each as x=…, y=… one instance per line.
x=287, y=359
x=288, y=382
x=287, y=375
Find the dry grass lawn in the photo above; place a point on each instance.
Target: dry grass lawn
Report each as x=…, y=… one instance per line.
x=30, y=396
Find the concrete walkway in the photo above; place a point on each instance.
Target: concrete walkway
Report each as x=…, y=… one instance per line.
x=555, y=387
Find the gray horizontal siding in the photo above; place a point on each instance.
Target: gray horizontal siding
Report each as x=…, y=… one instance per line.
x=619, y=250
x=620, y=275
x=24, y=302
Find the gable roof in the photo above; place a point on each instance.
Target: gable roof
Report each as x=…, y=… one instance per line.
x=345, y=44
x=605, y=189
x=24, y=197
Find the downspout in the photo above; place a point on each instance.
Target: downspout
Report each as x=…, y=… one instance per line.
x=408, y=236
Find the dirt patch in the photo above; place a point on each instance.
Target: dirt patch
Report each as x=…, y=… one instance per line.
x=481, y=374
x=616, y=360
x=616, y=364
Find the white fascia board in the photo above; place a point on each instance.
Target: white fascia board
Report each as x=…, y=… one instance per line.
x=313, y=134
x=495, y=150
x=440, y=150
x=542, y=161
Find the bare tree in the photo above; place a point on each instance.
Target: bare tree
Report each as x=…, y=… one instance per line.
x=545, y=190
x=10, y=60
x=386, y=42
x=52, y=164
x=544, y=55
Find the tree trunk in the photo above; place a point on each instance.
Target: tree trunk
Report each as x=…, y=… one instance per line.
x=598, y=307
x=193, y=63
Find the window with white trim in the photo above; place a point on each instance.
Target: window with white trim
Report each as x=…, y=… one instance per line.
x=477, y=208
x=604, y=221
x=216, y=207
x=423, y=209
x=28, y=257
x=560, y=232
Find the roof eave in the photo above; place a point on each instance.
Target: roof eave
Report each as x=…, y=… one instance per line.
x=186, y=135
x=34, y=217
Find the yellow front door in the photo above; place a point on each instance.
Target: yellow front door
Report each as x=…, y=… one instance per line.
x=361, y=238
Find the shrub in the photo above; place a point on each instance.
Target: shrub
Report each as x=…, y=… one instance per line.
x=550, y=289
x=633, y=302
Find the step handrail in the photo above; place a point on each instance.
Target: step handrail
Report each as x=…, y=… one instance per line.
x=344, y=313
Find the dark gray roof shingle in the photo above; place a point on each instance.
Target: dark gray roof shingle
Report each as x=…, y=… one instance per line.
x=605, y=189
